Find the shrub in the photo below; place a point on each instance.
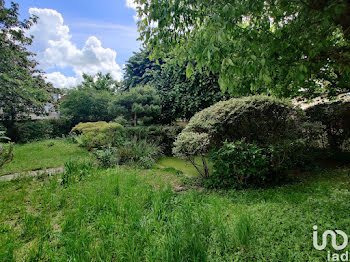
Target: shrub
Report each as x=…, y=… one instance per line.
x=60, y=127
x=164, y=135
x=260, y=119
x=99, y=134
x=241, y=164
x=28, y=131
x=106, y=157
x=6, y=149
x=335, y=116
x=140, y=152
x=32, y=130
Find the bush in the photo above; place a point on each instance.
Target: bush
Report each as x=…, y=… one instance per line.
x=106, y=157
x=164, y=135
x=60, y=127
x=99, y=134
x=6, y=149
x=142, y=153
x=28, y=131
x=335, y=117
x=259, y=119
x=242, y=164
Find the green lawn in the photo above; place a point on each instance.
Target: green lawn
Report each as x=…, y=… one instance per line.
x=43, y=154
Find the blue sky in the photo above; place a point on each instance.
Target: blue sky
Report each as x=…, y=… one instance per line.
x=76, y=36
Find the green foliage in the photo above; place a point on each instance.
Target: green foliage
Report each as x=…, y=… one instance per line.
x=75, y=171
x=6, y=149
x=28, y=131
x=106, y=157
x=280, y=48
x=191, y=144
x=33, y=130
x=22, y=86
x=163, y=135
x=86, y=105
x=242, y=164
x=335, y=117
x=99, y=82
x=140, y=70
x=99, y=134
x=137, y=104
x=181, y=96
x=261, y=119
x=140, y=152
x=184, y=96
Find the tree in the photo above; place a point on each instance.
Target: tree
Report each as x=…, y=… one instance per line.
x=22, y=86
x=100, y=82
x=89, y=101
x=184, y=96
x=289, y=49
x=139, y=103
x=181, y=97
x=140, y=70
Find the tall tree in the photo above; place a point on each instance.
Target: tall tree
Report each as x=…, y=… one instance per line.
x=140, y=70
x=22, y=86
x=89, y=101
x=100, y=82
x=281, y=47
x=181, y=97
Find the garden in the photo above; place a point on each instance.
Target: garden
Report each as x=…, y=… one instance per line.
x=234, y=153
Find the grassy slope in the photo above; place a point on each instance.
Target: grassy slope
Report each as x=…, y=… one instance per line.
x=130, y=215
x=42, y=154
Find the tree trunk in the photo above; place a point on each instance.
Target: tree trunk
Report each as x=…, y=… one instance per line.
x=205, y=167
x=135, y=119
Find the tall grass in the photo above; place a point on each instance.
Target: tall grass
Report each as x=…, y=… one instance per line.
x=126, y=215
x=118, y=216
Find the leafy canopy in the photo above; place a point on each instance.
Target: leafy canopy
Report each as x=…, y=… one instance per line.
x=280, y=47
x=181, y=96
x=22, y=87
x=99, y=82
x=89, y=101
x=139, y=103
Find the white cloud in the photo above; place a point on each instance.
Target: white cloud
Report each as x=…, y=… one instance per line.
x=52, y=43
x=131, y=4
x=60, y=81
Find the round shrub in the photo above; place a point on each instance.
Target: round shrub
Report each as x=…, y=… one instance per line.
x=257, y=118
x=260, y=119
x=99, y=134
x=335, y=116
